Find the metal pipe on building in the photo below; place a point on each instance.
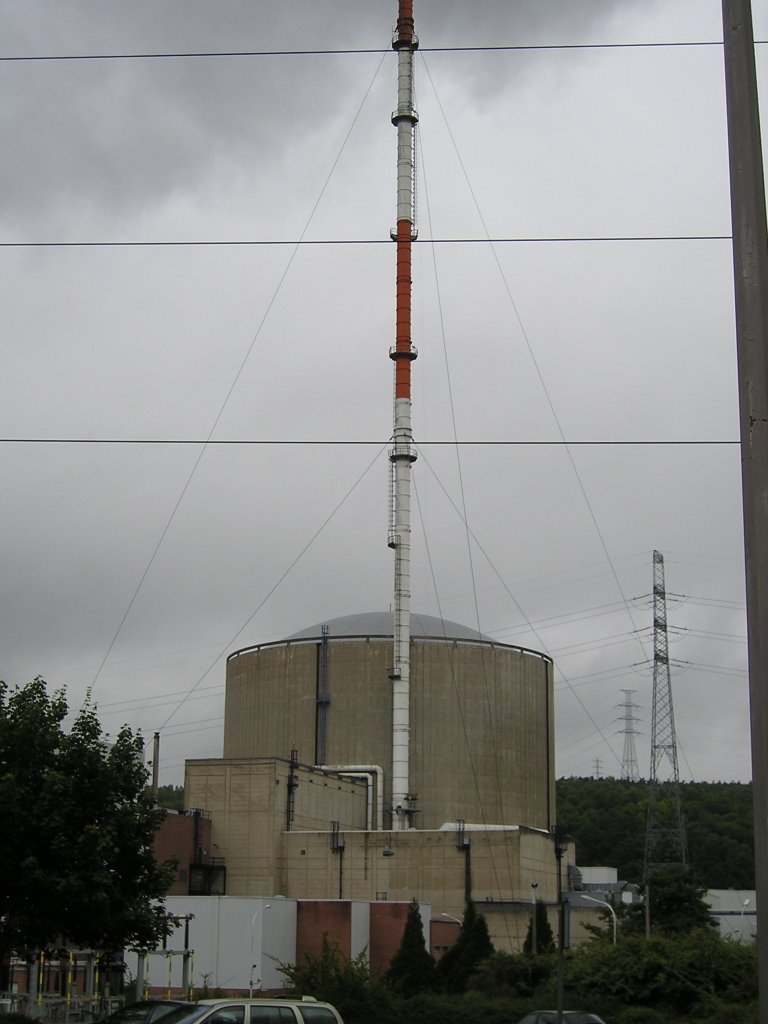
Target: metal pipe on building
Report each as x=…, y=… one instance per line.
x=402, y=455
x=366, y=771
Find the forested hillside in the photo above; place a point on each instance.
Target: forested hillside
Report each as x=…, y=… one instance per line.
x=607, y=819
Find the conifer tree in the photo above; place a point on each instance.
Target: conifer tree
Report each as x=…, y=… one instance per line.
x=412, y=968
x=473, y=946
x=545, y=940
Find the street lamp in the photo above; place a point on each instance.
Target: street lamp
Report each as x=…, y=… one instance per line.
x=560, y=842
x=534, y=937
x=253, y=944
x=451, y=918
x=744, y=904
x=602, y=903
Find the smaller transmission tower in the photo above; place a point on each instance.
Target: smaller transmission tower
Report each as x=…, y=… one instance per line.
x=629, y=768
x=665, y=842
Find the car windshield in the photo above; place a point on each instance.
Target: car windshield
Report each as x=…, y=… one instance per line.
x=136, y=1011
x=164, y=1009
x=185, y=1014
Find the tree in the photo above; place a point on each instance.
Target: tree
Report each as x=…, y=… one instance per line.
x=171, y=797
x=545, y=940
x=413, y=967
x=348, y=984
x=677, y=902
x=677, y=905
x=78, y=828
x=607, y=818
x=473, y=945
x=692, y=976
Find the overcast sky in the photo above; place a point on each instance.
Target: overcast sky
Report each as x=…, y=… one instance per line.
x=134, y=569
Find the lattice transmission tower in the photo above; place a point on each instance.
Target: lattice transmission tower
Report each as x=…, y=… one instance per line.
x=629, y=767
x=665, y=841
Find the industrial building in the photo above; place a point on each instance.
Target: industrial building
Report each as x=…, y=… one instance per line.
x=301, y=803
x=387, y=757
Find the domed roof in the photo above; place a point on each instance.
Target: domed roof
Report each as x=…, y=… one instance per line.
x=382, y=624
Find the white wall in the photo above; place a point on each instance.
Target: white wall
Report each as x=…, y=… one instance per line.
x=360, y=937
x=735, y=912
x=228, y=934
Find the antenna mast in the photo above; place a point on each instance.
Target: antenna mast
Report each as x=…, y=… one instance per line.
x=665, y=842
x=402, y=454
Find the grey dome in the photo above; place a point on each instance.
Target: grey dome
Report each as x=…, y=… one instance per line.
x=381, y=624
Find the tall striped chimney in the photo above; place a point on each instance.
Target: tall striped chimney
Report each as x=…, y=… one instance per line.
x=402, y=454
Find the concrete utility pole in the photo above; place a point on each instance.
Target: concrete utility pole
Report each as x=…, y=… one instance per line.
x=750, y=259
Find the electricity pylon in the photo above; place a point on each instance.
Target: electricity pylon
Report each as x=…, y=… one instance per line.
x=665, y=842
x=629, y=768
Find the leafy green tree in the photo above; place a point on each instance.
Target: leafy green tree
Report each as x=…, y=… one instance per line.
x=473, y=945
x=545, y=940
x=677, y=903
x=693, y=975
x=413, y=967
x=512, y=974
x=171, y=797
x=78, y=828
x=347, y=983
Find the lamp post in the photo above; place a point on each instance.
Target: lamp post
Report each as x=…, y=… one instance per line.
x=744, y=905
x=253, y=946
x=560, y=840
x=603, y=903
x=451, y=918
x=534, y=937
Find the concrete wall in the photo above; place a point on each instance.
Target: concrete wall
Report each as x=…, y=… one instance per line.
x=248, y=801
x=269, y=706
x=427, y=866
x=482, y=740
x=481, y=735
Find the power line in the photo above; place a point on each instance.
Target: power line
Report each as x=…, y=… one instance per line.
x=170, y=441
x=532, y=355
x=246, y=242
x=227, y=396
x=355, y=51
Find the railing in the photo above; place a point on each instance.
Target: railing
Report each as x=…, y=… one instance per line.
x=52, y=1008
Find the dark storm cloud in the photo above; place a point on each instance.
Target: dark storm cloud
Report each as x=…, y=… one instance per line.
x=97, y=138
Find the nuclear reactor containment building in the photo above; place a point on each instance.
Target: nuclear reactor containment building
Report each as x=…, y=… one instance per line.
x=301, y=803
x=481, y=734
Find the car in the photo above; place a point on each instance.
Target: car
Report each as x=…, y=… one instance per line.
x=145, y=1011
x=569, y=1017
x=255, y=1011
